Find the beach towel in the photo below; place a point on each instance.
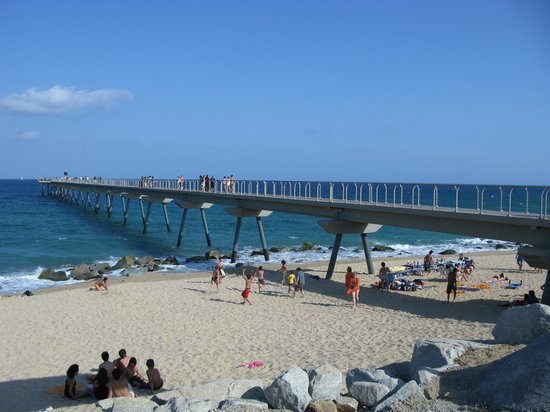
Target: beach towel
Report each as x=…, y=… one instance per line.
x=482, y=286
x=60, y=389
x=466, y=289
x=251, y=365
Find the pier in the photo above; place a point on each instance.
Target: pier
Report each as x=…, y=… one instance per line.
x=510, y=213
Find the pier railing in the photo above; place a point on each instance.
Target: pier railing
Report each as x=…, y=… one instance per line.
x=527, y=201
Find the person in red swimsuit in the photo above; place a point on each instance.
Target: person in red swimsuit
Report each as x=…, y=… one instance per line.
x=247, y=285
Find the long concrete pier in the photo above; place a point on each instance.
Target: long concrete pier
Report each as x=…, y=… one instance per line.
x=511, y=213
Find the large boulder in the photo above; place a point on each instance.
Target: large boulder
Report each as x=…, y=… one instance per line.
x=373, y=376
x=247, y=389
x=289, y=391
x=163, y=397
x=429, y=380
x=382, y=248
x=215, y=391
x=448, y=252
x=124, y=262
x=398, y=370
x=127, y=405
x=325, y=383
x=346, y=404
x=100, y=267
x=56, y=276
x=408, y=398
x=522, y=324
x=82, y=272
x=368, y=393
x=171, y=260
x=322, y=406
x=194, y=259
x=184, y=404
x=145, y=260
x=519, y=381
x=212, y=254
x=243, y=405
x=438, y=353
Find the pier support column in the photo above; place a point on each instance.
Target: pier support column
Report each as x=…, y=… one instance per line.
x=341, y=227
x=366, y=249
x=144, y=217
x=262, y=238
x=334, y=255
x=125, y=206
x=239, y=213
x=109, y=205
x=182, y=224
x=205, y=226
x=96, y=208
x=202, y=206
x=166, y=220
x=82, y=199
x=236, y=240
x=88, y=199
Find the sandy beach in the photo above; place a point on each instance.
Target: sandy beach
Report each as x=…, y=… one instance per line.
x=196, y=337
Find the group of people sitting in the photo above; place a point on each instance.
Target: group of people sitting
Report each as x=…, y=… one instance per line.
x=114, y=379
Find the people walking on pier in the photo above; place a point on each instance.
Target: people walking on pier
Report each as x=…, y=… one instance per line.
x=212, y=184
x=181, y=182
x=224, y=184
x=206, y=183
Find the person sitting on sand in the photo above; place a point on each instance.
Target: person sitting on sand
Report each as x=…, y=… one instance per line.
x=101, y=284
x=521, y=302
x=70, y=384
x=498, y=278
x=261, y=281
x=123, y=360
x=133, y=374
x=118, y=386
x=451, y=284
x=532, y=298
x=100, y=385
x=153, y=374
x=106, y=364
x=354, y=285
x=247, y=286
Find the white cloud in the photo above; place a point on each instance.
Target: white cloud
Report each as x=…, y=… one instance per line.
x=26, y=136
x=60, y=99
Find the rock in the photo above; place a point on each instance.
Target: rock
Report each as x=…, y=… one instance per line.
x=212, y=254
x=124, y=262
x=501, y=246
x=100, y=268
x=145, y=260
x=215, y=391
x=152, y=267
x=306, y=246
x=163, y=397
x=82, y=273
x=290, y=391
x=374, y=376
x=183, y=404
x=247, y=389
x=429, y=380
x=382, y=248
x=257, y=253
x=448, y=252
x=399, y=370
x=368, y=393
x=194, y=259
x=438, y=353
x=50, y=274
x=325, y=383
x=171, y=260
x=522, y=324
x=322, y=406
x=239, y=265
x=408, y=397
x=127, y=405
x=346, y=404
x=279, y=249
x=519, y=381
x=243, y=405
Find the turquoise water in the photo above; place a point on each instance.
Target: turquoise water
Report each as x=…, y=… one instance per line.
x=39, y=232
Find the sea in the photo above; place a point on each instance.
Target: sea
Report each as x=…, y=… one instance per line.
x=39, y=232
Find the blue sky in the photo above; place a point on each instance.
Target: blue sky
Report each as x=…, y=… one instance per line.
x=406, y=91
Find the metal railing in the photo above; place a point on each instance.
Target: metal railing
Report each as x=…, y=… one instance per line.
x=531, y=201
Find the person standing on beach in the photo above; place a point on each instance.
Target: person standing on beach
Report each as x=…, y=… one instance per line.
x=215, y=280
x=428, y=261
x=383, y=274
x=219, y=268
x=247, y=286
x=300, y=282
x=451, y=284
x=261, y=281
x=283, y=270
x=291, y=281
x=354, y=285
x=519, y=260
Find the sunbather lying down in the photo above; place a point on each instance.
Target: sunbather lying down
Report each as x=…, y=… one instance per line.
x=498, y=278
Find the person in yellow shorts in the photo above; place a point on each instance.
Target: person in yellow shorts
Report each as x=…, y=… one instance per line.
x=291, y=281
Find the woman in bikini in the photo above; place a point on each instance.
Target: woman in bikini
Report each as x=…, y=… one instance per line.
x=354, y=285
x=216, y=279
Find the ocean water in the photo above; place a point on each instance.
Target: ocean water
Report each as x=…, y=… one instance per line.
x=39, y=232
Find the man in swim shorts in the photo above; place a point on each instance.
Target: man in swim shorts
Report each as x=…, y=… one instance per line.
x=451, y=284
x=247, y=285
x=261, y=281
x=300, y=282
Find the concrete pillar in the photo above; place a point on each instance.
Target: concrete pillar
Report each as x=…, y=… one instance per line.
x=125, y=206
x=145, y=217
x=205, y=226
x=236, y=240
x=334, y=255
x=88, y=199
x=166, y=220
x=109, y=199
x=366, y=249
x=182, y=224
x=262, y=238
x=96, y=209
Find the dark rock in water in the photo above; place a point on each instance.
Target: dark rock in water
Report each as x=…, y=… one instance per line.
x=257, y=253
x=239, y=265
x=125, y=262
x=82, y=272
x=226, y=256
x=274, y=249
x=152, y=267
x=306, y=246
x=145, y=260
x=171, y=260
x=194, y=259
x=448, y=252
x=50, y=274
x=212, y=254
x=501, y=246
x=382, y=248
x=100, y=268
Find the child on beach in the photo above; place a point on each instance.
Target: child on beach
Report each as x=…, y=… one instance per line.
x=247, y=285
x=291, y=281
x=261, y=281
x=153, y=374
x=283, y=270
x=101, y=283
x=216, y=279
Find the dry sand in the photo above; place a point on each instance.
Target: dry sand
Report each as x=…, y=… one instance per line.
x=196, y=337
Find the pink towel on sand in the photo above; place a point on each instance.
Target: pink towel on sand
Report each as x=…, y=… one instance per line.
x=252, y=365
